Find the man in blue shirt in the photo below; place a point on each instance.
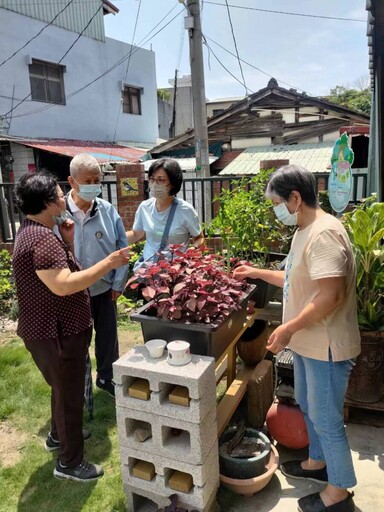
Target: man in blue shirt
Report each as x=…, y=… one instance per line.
x=99, y=231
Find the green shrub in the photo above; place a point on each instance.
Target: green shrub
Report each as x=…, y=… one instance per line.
x=7, y=286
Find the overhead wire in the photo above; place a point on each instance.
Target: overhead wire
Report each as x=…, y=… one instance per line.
x=126, y=71
x=226, y=69
x=286, y=12
x=59, y=62
x=253, y=66
x=145, y=40
x=36, y=35
x=235, y=44
x=310, y=114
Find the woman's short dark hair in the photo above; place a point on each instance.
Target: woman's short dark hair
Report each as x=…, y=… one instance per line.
x=288, y=178
x=35, y=191
x=173, y=170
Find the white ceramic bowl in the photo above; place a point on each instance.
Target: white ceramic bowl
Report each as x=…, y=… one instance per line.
x=156, y=348
x=179, y=353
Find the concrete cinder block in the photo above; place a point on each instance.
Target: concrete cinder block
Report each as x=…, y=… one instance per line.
x=199, y=498
x=194, y=442
x=200, y=472
x=198, y=375
x=140, y=500
x=160, y=405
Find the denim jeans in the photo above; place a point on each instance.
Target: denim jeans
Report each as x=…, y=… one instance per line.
x=320, y=388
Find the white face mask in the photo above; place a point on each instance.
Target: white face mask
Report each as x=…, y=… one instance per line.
x=158, y=191
x=284, y=216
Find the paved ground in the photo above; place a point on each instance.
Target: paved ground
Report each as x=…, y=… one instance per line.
x=281, y=494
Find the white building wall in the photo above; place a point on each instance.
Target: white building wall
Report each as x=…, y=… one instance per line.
x=24, y=160
x=333, y=136
x=246, y=143
x=88, y=115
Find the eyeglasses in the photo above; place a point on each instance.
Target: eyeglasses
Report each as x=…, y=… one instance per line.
x=159, y=181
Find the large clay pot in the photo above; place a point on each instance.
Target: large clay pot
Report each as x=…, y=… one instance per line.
x=252, y=346
x=366, y=380
x=240, y=468
x=287, y=426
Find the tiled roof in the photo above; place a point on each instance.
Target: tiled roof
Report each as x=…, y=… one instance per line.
x=315, y=157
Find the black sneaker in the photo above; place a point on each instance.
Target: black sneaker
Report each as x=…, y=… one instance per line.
x=293, y=469
x=52, y=444
x=106, y=385
x=84, y=472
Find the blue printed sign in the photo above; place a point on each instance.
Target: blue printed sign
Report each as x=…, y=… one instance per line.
x=340, y=180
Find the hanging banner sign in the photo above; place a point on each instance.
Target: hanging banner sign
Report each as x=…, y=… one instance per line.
x=340, y=180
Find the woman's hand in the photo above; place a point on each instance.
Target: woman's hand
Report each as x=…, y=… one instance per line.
x=279, y=339
x=67, y=231
x=119, y=258
x=244, y=271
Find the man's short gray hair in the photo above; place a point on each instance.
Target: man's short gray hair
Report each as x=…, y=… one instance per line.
x=83, y=162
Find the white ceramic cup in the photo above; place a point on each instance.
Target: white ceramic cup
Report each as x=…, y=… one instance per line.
x=155, y=347
x=179, y=353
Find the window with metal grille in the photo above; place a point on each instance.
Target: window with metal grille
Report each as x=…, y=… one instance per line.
x=47, y=82
x=132, y=100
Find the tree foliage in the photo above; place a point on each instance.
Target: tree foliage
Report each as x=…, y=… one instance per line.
x=163, y=94
x=355, y=99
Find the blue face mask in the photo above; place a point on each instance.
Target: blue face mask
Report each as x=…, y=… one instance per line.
x=88, y=192
x=284, y=215
x=59, y=219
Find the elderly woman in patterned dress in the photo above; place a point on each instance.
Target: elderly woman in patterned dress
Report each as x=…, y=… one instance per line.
x=54, y=314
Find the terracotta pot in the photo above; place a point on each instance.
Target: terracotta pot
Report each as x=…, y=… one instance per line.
x=251, y=347
x=248, y=487
x=366, y=380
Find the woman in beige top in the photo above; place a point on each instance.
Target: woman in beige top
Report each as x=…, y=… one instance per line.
x=320, y=327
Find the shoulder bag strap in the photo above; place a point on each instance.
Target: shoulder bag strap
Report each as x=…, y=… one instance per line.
x=171, y=214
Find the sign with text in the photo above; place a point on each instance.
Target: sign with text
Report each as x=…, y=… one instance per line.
x=340, y=180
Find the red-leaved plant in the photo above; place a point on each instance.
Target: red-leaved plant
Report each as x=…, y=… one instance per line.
x=192, y=287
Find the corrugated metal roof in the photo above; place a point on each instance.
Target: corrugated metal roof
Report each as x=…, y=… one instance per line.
x=103, y=152
x=186, y=164
x=315, y=157
x=75, y=17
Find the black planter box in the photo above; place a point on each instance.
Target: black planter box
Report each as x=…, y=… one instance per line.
x=263, y=292
x=205, y=339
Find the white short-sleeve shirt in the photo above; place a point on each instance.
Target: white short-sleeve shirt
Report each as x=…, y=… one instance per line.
x=185, y=224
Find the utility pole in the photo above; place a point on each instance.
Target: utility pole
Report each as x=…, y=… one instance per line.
x=193, y=24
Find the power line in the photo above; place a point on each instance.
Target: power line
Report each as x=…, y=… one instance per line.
x=254, y=67
x=126, y=70
x=34, y=37
x=81, y=33
x=66, y=53
x=117, y=63
x=234, y=42
x=265, y=109
x=287, y=13
x=226, y=69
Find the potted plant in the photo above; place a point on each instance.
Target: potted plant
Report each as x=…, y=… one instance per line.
x=249, y=230
x=192, y=298
x=365, y=227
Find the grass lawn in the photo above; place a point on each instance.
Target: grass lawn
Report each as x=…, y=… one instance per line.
x=26, y=479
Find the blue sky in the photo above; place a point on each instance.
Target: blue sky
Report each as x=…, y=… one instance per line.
x=307, y=53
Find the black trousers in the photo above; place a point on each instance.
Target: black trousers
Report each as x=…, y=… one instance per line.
x=62, y=364
x=104, y=312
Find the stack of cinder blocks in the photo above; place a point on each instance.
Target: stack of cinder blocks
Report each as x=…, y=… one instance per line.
x=166, y=418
